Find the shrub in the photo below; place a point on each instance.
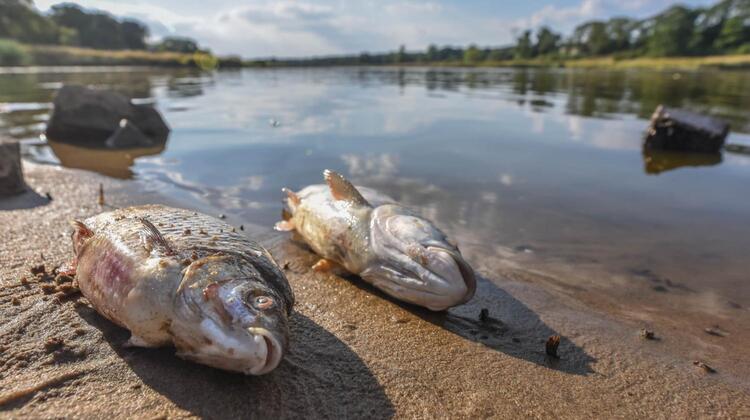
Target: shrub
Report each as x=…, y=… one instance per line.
x=12, y=53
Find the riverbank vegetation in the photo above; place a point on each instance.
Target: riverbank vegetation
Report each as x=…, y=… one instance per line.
x=71, y=35
x=680, y=36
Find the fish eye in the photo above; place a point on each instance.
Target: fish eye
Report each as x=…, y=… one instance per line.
x=263, y=302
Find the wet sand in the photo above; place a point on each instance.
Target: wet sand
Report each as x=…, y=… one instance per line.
x=354, y=352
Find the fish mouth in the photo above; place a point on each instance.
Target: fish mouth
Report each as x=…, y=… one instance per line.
x=467, y=273
x=273, y=350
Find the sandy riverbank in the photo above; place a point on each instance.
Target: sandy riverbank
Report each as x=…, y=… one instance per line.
x=354, y=353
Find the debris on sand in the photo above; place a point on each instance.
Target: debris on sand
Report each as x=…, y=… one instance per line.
x=54, y=343
x=62, y=285
x=706, y=368
x=222, y=216
x=715, y=330
x=484, y=315
x=101, y=194
x=647, y=334
x=27, y=392
x=553, y=342
x=15, y=301
x=38, y=269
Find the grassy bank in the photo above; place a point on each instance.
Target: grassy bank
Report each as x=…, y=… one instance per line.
x=15, y=54
x=683, y=63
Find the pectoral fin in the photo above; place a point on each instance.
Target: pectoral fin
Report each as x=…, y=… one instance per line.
x=284, y=226
x=80, y=234
x=153, y=239
x=342, y=189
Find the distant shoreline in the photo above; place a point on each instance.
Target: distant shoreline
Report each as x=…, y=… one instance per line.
x=61, y=56
x=660, y=63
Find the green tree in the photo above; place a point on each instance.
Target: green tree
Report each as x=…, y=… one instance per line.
x=400, y=56
x=433, y=54
x=598, y=42
x=547, y=41
x=524, y=46
x=472, y=55
x=134, y=34
x=177, y=44
x=672, y=32
x=733, y=33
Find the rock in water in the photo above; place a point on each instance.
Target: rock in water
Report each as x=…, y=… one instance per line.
x=11, y=172
x=88, y=117
x=127, y=136
x=678, y=129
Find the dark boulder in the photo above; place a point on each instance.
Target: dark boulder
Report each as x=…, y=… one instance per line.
x=11, y=172
x=678, y=129
x=127, y=136
x=89, y=117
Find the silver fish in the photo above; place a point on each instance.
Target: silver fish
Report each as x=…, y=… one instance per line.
x=386, y=244
x=176, y=277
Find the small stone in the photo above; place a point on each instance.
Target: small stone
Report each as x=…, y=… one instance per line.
x=53, y=344
x=15, y=301
x=647, y=334
x=242, y=227
x=63, y=278
x=186, y=232
x=38, y=269
x=48, y=289
x=222, y=216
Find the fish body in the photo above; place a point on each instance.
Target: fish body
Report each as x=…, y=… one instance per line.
x=389, y=246
x=176, y=277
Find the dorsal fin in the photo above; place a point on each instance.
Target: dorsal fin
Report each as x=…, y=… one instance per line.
x=81, y=232
x=153, y=239
x=341, y=189
x=293, y=198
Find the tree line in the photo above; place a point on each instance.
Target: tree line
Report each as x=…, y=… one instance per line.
x=723, y=28
x=70, y=25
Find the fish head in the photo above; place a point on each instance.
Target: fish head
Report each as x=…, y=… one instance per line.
x=228, y=317
x=415, y=261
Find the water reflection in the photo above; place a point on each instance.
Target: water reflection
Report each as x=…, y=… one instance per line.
x=656, y=162
x=117, y=163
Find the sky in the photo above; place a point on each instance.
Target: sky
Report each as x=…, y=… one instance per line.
x=289, y=28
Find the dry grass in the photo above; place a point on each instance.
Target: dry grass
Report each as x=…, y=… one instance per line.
x=46, y=55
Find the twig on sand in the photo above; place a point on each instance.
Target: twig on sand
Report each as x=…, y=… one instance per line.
x=706, y=368
x=101, y=194
x=553, y=342
x=22, y=393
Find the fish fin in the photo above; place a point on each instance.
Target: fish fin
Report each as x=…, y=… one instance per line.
x=323, y=266
x=135, y=341
x=292, y=196
x=153, y=239
x=81, y=232
x=284, y=226
x=342, y=189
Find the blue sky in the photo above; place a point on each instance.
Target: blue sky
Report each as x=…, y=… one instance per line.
x=264, y=28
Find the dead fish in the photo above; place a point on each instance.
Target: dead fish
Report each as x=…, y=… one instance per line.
x=395, y=250
x=220, y=299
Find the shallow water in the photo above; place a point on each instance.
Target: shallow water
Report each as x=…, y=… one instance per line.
x=512, y=162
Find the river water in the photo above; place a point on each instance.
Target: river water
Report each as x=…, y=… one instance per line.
x=540, y=168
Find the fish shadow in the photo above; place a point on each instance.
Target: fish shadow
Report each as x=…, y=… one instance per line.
x=28, y=199
x=319, y=377
x=509, y=326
